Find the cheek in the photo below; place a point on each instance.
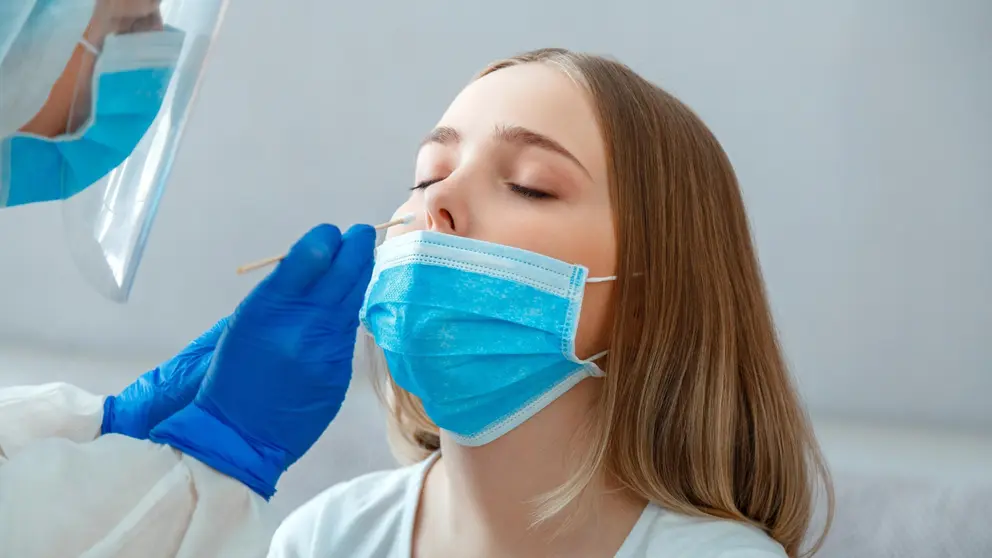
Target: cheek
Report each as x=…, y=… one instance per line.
x=592, y=245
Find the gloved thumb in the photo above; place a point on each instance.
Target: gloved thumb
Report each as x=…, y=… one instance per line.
x=308, y=260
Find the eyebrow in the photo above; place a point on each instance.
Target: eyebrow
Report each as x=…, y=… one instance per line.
x=517, y=135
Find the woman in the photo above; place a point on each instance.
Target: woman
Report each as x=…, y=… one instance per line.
x=558, y=181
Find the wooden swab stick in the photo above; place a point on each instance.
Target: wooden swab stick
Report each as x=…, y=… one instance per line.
x=405, y=220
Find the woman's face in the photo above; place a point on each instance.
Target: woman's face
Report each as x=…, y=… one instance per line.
x=518, y=159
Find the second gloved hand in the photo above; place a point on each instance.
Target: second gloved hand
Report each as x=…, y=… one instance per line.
x=162, y=391
x=283, y=364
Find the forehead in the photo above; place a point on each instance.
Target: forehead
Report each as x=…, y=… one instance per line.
x=534, y=96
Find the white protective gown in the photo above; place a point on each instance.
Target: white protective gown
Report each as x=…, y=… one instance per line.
x=67, y=492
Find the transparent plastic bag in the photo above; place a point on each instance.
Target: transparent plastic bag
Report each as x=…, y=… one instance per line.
x=134, y=67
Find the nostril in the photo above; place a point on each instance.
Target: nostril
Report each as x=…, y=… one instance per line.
x=449, y=221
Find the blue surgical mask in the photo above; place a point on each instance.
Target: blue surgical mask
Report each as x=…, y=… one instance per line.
x=483, y=334
x=130, y=81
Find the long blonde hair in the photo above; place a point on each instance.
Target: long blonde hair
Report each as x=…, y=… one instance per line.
x=698, y=412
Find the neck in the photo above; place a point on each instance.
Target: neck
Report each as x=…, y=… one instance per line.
x=491, y=493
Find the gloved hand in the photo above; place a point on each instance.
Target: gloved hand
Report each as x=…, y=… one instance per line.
x=283, y=364
x=160, y=392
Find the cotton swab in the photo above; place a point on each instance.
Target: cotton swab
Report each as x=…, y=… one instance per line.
x=405, y=220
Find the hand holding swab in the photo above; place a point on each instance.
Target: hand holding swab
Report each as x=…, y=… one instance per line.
x=404, y=220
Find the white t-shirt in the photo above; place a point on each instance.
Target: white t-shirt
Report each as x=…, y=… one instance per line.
x=372, y=517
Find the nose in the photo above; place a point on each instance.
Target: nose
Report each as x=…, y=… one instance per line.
x=445, y=208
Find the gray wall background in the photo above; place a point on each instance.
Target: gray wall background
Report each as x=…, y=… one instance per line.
x=861, y=131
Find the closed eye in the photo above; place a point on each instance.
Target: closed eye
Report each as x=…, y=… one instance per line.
x=529, y=192
x=515, y=188
x=423, y=185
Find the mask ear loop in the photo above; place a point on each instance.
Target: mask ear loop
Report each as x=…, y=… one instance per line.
x=592, y=360
x=88, y=46
x=598, y=372
x=597, y=356
x=595, y=369
x=609, y=278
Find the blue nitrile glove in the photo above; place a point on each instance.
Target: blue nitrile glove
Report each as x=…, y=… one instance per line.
x=160, y=392
x=283, y=364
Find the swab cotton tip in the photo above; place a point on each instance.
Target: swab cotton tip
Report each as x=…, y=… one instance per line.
x=404, y=220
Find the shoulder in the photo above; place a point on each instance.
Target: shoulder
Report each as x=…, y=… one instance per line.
x=343, y=517
x=665, y=533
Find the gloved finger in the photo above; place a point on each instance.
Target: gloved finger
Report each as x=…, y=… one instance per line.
x=203, y=344
x=349, y=308
x=352, y=302
x=308, y=260
x=357, y=249
x=210, y=338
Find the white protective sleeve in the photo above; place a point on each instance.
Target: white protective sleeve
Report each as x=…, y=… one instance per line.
x=66, y=491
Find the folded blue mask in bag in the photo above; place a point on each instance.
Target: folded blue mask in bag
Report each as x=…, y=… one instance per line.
x=483, y=334
x=130, y=81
